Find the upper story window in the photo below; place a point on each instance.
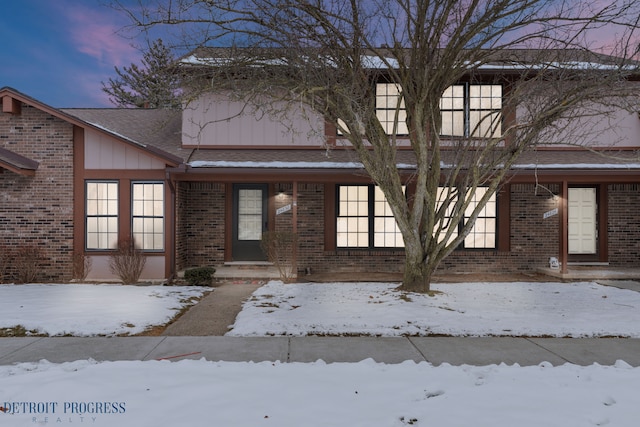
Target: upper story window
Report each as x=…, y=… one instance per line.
x=389, y=103
x=472, y=110
x=467, y=110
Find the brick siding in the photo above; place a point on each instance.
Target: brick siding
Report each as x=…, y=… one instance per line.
x=38, y=210
x=533, y=238
x=624, y=225
x=200, y=224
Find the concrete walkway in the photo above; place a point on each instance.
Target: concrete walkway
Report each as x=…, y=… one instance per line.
x=436, y=350
x=213, y=314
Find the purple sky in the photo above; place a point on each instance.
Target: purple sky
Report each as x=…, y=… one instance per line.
x=59, y=52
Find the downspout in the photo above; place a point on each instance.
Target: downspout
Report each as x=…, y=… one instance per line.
x=294, y=219
x=172, y=227
x=564, y=228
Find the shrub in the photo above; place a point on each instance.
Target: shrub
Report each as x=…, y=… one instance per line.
x=280, y=247
x=81, y=266
x=200, y=276
x=5, y=261
x=27, y=263
x=127, y=262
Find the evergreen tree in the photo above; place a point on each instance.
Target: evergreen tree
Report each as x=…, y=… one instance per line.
x=153, y=84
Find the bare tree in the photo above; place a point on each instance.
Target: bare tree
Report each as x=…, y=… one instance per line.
x=332, y=54
x=153, y=84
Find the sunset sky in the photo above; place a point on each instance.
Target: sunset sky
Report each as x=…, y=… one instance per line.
x=59, y=51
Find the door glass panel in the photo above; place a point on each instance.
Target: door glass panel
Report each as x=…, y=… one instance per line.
x=249, y=214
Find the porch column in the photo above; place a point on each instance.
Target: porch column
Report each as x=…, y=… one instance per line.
x=294, y=219
x=564, y=227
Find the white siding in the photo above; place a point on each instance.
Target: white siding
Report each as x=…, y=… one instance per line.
x=103, y=152
x=153, y=269
x=215, y=120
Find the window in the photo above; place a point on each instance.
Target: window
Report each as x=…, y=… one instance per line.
x=472, y=110
x=483, y=233
x=101, y=215
x=467, y=110
x=387, y=98
x=147, y=207
x=385, y=230
x=364, y=219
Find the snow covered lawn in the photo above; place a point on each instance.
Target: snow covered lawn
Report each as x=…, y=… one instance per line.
x=83, y=310
x=200, y=393
x=583, y=309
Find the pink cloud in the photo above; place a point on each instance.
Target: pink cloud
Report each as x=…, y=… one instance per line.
x=94, y=32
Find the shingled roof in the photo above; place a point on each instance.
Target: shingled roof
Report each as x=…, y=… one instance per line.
x=157, y=128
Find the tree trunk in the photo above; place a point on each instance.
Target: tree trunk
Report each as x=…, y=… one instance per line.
x=417, y=274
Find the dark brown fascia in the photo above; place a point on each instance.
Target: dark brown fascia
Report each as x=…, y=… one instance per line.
x=17, y=163
x=18, y=97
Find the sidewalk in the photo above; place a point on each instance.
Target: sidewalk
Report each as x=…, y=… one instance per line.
x=435, y=350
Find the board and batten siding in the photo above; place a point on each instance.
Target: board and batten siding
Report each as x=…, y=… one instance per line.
x=102, y=152
x=215, y=120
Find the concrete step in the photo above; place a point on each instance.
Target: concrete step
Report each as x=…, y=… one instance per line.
x=244, y=272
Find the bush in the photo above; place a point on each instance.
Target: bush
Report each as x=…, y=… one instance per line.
x=5, y=261
x=27, y=263
x=127, y=262
x=280, y=247
x=200, y=276
x=81, y=266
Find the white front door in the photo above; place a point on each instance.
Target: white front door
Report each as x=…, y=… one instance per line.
x=582, y=221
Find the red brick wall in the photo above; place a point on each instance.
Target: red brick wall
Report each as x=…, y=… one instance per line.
x=200, y=224
x=38, y=210
x=624, y=225
x=533, y=239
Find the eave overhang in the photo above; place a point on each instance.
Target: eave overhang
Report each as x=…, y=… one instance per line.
x=16, y=163
x=10, y=104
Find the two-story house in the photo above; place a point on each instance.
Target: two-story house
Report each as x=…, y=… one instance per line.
x=198, y=187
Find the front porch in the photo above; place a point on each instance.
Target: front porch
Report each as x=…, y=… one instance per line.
x=592, y=272
x=243, y=272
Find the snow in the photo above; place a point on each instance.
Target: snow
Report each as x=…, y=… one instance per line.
x=579, y=166
x=200, y=393
x=357, y=165
x=203, y=393
x=285, y=165
x=84, y=310
x=583, y=309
